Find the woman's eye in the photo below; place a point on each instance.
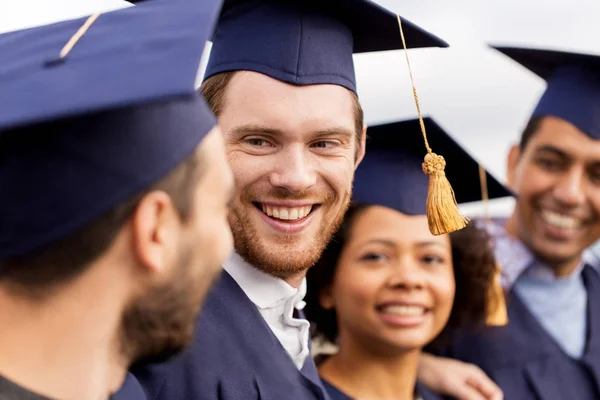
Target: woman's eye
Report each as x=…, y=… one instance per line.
x=431, y=259
x=373, y=257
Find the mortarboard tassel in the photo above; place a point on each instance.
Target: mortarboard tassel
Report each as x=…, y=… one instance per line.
x=443, y=214
x=497, y=314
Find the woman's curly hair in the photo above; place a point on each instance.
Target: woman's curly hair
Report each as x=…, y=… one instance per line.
x=474, y=271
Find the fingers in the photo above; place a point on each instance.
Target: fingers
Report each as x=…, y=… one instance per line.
x=478, y=380
x=457, y=379
x=464, y=391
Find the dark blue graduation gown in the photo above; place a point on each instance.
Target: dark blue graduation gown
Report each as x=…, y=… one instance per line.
x=336, y=394
x=131, y=390
x=527, y=363
x=234, y=356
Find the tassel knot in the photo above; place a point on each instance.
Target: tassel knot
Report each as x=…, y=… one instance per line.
x=443, y=214
x=433, y=164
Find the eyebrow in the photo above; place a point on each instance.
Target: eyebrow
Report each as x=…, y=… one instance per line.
x=430, y=243
x=263, y=129
x=552, y=150
x=560, y=153
x=385, y=242
x=334, y=132
x=254, y=128
x=391, y=243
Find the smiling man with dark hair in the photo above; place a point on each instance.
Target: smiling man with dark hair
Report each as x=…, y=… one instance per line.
x=550, y=349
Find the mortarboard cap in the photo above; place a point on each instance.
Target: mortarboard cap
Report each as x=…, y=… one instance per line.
x=573, y=85
x=391, y=174
x=82, y=133
x=305, y=42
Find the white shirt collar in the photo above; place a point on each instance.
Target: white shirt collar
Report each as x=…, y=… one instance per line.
x=264, y=290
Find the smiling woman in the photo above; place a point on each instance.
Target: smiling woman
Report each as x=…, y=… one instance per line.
x=385, y=287
x=370, y=235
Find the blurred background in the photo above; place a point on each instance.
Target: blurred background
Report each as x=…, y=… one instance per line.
x=479, y=96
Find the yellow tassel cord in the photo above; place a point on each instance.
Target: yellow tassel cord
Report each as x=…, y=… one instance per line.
x=497, y=315
x=443, y=214
x=72, y=41
x=80, y=32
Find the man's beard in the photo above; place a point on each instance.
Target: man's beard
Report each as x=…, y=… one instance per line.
x=159, y=324
x=286, y=258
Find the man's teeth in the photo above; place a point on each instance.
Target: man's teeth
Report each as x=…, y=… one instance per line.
x=405, y=311
x=560, y=221
x=287, y=213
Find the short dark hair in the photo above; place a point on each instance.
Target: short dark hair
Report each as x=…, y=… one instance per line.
x=474, y=269
x=530, y=130
x=214, y=88
x=38, y=274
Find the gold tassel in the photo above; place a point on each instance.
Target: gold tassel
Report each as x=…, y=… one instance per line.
x=497, y=314
x=443, y=214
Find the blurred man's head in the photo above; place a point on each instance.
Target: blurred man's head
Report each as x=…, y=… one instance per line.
x=115, y=194
x=555, y=172
x=152, y=256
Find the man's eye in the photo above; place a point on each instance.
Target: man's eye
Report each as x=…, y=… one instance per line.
x=550, y=164
x=325, y=144
x=257, y=142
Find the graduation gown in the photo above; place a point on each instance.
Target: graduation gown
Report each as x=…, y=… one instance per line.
x=234, y=356
x=527, y=363
x=131, y=390
x=336, y=394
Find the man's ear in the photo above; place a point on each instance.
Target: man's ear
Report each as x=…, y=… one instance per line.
x=360, y=154
x=512, y=164
x=154, y=232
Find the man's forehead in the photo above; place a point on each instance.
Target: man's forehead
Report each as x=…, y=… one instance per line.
x=253, y=99
x=560, y=136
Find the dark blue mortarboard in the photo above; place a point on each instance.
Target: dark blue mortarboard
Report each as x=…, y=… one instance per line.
x=573, y=85
x=391, y=174
x=305, y=42
x=82, y=134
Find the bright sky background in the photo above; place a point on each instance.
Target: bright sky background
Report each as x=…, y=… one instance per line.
x=481, y=97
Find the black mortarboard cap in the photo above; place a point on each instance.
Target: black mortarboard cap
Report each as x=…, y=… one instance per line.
x=391, y=173
x=573, y=85
x=305, y=42
x=81, y=133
